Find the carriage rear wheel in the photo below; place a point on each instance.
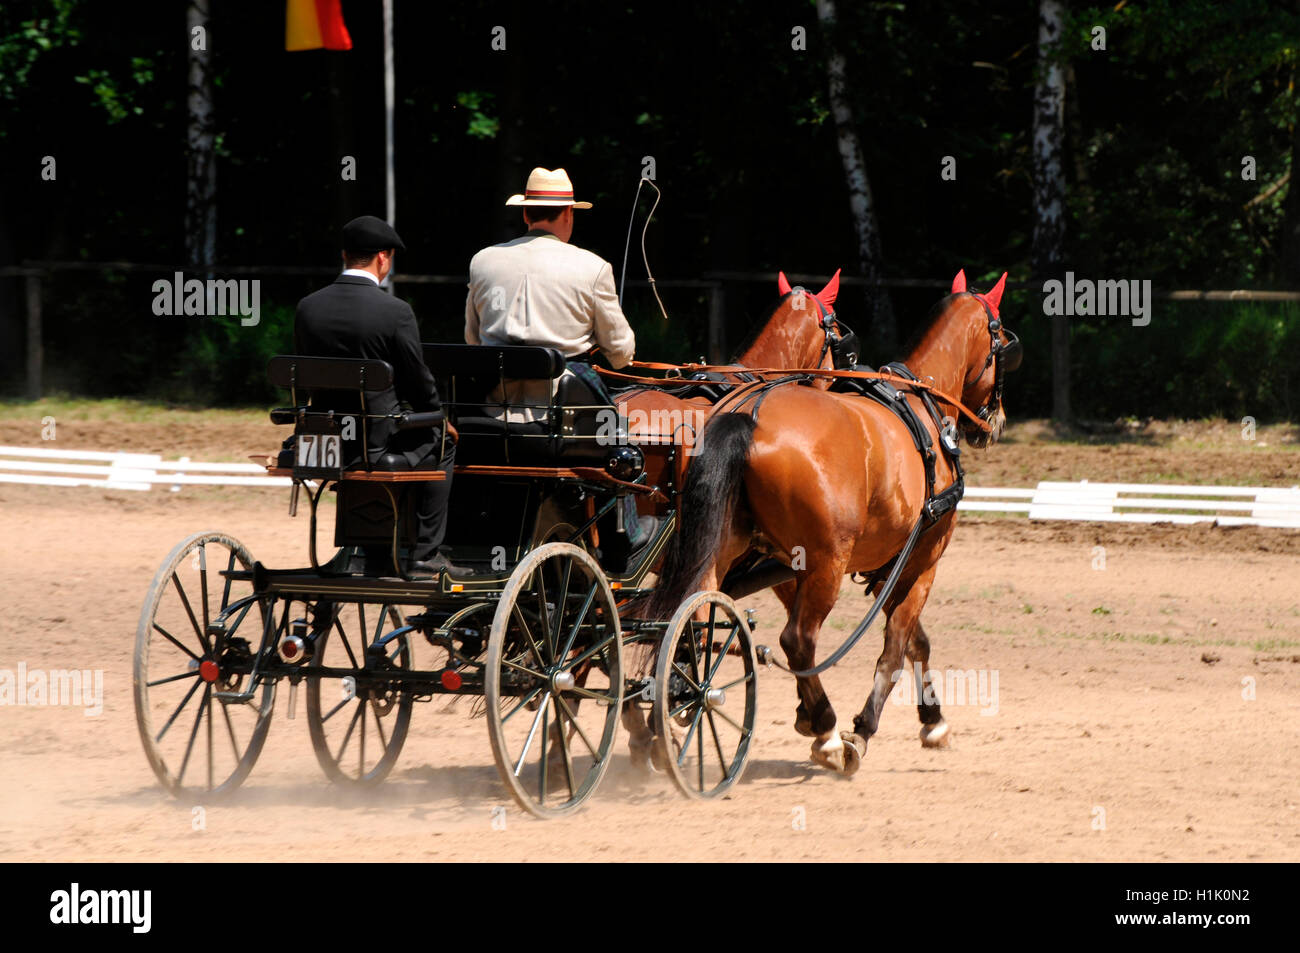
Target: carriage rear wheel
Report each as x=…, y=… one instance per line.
x=201, y=717
x=706, y=695
x=554, y=679
x=358, y=723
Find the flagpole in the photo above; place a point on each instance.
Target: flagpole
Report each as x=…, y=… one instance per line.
x=390, y=181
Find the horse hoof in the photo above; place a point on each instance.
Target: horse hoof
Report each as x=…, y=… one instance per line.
x=936, y=735
x=833, y=753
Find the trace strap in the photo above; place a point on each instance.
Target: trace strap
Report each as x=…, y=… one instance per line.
x=810, y=372
x=765, y=653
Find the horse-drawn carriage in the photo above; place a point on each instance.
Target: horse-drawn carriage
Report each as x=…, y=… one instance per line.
x=556, y=633
x=540, y=632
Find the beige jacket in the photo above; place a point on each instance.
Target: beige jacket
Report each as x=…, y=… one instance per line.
x=541, y=291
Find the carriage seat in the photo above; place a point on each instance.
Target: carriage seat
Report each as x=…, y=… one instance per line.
x=566, y=425
x=339, y=387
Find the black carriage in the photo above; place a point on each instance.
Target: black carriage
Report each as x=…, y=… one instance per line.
x=541, y=632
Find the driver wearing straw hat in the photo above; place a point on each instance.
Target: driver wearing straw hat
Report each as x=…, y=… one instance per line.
x=539, y=289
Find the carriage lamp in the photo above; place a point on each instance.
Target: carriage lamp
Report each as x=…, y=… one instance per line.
x=625, y=463
x=295, y=647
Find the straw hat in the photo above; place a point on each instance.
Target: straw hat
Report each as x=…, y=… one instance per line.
x=547, y=188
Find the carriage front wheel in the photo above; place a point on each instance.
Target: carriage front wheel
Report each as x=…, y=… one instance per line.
x=706, y=695
x=554, y=679
x=202, y=719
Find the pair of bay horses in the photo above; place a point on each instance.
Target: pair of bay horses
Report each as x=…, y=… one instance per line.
x=838, y=479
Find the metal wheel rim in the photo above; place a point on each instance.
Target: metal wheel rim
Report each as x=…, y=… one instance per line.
x=369, y=712
x=172, y=772
x=705, y=729
x=507, y=757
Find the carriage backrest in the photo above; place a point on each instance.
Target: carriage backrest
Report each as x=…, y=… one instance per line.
x=479, y=367
x=329, y=373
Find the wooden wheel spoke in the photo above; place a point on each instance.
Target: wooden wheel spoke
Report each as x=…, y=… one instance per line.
x=348, y=734
x=561, y=604
x=544, y=616
x=690, y=733
x=174, y=641
x=564, y=744
x=230, y=729
x=717, y=744
x=578, y=728
x=588, y=693
x=184, y=701
x=532, y=732
x=225, y=591
x=194, y=733
x=203, y=582
x=722, y=654
x=747, y=677
x=361, y=756
x=744, y=732
x=577, y=623
x=571, y=664
x=543, y=761
x=185, y=601
x=347, y=646
x=173, y=678
x=523, y=703
x=687, y=676
x=379, y=722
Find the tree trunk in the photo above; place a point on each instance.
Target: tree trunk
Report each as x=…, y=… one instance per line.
x=884, y=327
x=201, y=189
x=1049, y=188
x=1289, y=272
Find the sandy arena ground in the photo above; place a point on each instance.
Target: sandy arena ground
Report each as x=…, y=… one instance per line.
x=1120, y=729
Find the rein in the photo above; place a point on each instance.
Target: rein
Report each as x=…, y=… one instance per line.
x=791, y=373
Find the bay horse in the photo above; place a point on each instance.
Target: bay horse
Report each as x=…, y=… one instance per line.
x=838, y=478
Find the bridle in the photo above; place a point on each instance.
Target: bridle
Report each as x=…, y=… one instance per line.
x=840, y=340
x=1003, y=355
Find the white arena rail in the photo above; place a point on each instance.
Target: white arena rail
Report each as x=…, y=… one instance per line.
x=1098, y=502
x=1144, y=503
x=123, y=471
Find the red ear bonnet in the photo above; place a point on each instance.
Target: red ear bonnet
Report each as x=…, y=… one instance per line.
x=995, y=293
x=782, y=285
x=827, y=295
x=959, y=282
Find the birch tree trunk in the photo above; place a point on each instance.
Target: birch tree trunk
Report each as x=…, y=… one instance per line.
x=201, y=183
x=884, y=329
x=1049, y=188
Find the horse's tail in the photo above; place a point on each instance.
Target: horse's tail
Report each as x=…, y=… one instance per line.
x=707, y=504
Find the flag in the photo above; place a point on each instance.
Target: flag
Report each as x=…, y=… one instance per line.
x=312, y=24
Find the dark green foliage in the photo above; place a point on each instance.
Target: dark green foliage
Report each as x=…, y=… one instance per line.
x=737, y=121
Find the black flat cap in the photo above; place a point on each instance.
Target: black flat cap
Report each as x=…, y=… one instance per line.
x=370, y=234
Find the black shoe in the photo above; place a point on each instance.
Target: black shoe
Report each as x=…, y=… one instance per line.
x=436, y=565
x=647, y=528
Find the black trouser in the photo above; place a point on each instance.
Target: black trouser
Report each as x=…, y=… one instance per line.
x=431, y=502
x=430, y=505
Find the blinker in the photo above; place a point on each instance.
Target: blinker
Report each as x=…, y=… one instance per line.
x=1012, y=353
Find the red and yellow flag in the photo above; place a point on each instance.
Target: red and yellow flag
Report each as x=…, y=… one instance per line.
x=312, y=24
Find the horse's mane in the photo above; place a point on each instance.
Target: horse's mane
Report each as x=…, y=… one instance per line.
x=758, y=329
x=923, y=328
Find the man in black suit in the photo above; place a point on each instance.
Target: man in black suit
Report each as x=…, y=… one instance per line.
x=354, y=318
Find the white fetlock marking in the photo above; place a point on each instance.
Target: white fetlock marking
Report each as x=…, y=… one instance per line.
x=933, y=734
x=828, y=746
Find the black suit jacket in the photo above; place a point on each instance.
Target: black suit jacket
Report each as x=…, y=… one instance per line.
x=354, y=318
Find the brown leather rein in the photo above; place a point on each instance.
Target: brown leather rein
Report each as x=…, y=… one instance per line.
x=761, y=373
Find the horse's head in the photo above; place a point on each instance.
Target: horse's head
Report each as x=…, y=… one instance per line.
x=966, y=351
x=802, y=331
x=991, y=351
